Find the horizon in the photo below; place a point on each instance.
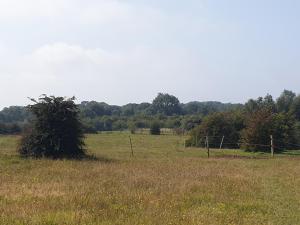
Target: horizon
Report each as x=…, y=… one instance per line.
x=117, y=51
x=120, y=105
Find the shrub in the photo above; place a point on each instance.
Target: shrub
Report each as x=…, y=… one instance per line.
x=263, y=123
x=132, y=127
x=10, y=128
x=56, y=131
x=155, y=128
x=216, y=126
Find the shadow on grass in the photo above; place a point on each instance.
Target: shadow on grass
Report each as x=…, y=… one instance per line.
x=97, y=159
x=81, y=158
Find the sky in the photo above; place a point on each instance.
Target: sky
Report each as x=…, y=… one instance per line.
x=121, y=51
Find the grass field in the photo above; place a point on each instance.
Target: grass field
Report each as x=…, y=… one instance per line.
x=163, y=183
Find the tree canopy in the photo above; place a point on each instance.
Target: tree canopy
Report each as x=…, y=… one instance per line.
x=166, y=104
x=56, y=130
x=170, y=113
x=285, y=101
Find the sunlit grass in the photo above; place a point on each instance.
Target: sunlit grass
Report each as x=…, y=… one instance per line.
x=164, y=183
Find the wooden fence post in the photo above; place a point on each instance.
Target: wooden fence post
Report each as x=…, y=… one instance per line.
x=272, y=146
x=221, y=145
x=131, y=146
x=207, y=146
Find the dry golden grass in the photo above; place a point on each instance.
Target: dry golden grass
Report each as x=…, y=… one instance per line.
x=162, y=184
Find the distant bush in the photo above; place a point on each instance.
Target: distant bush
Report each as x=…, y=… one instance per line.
x=56, y=131
x=216, y=126
x=89, y=129
x=297, y=133
x=155, y=128
x=10, y=128
x=263, y=123
x=132, y=128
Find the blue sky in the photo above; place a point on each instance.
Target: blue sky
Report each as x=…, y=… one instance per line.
x=129, y=50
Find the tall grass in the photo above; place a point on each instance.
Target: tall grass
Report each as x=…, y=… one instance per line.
x=163, y=183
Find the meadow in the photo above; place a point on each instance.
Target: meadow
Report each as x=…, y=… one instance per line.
x=162, y=183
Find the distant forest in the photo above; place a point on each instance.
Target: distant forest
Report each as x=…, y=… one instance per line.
x=252, y=122
x=100, y=116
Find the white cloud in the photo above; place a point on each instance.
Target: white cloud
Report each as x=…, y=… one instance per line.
x=118, y=77
x=128, y=50
x=16, y=10
x=75, y=11
x=105, y=12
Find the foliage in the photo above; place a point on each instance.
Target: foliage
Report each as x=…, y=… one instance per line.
x=295, y=108
x=284, y=131
x=14, y=114
x=262, y=124
x=297, y=133
x=172, y=122
x=166, y=109
x=99, y=116
x=215, y=126
x=166, y=104
x=190, y=122
x=132, y=127
x=155, y=128
x=261, y=103
x=56, y=130
x=10, y=128
x=88, y=126
x=285, y=101
x=258, y=130
x=206, y=108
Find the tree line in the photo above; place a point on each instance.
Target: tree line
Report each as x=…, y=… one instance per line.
x=165, y=109
x=243, y=125
x=251, y=126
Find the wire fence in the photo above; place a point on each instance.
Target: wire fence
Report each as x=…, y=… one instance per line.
x=218, y=142
x=209, y=143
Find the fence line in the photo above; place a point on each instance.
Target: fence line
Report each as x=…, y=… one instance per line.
x=272, y=146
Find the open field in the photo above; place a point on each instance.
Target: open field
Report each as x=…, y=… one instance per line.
x=162, y=184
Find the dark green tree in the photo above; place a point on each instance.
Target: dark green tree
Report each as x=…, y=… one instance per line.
x=132, y=127
x=297, y=133
x=14, y=114
x=284, y=131
x=155, y=128
x=190, y=122
x=166, y=104
x=295, y=107
x=217, y=125
x=285, y=101
x=263, y=123
x=9, y=128
x=56, y=131
x=252, y=105
x=267, y=102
